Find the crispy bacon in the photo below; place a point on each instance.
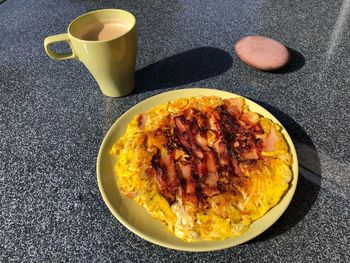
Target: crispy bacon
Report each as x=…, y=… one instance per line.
x=236, y=102
x=192, y=168
x=185, y=170
x=219, y=145
x=236, y=167
x=201, y=167
x=249, y=118
x=190, y=198
x=211, y=162
x=271, y=140
x=167, y=163
x=210, y=191
x=201, y=141
x=251, y=155
x=141, y=121
x=221, y=151
x=190, y=187
x=234, y=106
x=186, y=136
x=165, y=174
x=157, y=171
x=180, y=123
x=212, y=179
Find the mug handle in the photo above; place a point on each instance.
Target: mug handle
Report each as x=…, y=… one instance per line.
x=58, y=38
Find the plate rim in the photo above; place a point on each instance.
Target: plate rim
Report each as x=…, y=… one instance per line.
x=294, y=182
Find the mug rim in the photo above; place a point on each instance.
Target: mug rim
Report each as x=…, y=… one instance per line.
x=98, y=11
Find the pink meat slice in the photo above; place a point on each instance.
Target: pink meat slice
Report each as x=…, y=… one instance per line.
x=262, y=53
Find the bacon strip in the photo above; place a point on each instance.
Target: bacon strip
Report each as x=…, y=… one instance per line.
x=165, y=174
x=251, y=155
x=249, y=118
x=235, y=102
x=211, y=163
x=185, y=170
x=271, y=140
x=219, y=145
x=141, y=121
x=210, y=186
x=186, y=173
x=201, y=141
x=234, y=106
x=186, y=137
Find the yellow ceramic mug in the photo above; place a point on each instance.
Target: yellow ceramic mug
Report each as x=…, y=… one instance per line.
x=111, y=58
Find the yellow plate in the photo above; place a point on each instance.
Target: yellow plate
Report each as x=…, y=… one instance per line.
x=135, y=217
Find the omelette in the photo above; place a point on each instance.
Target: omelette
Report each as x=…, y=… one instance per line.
x=206, y=167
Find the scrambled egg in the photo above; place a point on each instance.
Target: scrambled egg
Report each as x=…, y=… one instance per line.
x=263, y=181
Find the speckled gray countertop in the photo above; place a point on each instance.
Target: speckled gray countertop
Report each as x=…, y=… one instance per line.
x=53, y=119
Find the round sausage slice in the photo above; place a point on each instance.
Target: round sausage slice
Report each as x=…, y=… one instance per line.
x=262, y=53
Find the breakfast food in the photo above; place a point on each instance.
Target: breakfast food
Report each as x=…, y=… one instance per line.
x=262, y=53
x=204, y=166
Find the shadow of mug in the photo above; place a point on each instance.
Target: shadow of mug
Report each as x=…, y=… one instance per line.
x=183, y=68
x=309, y=177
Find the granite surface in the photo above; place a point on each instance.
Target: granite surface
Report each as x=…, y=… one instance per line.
x=53, y=119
